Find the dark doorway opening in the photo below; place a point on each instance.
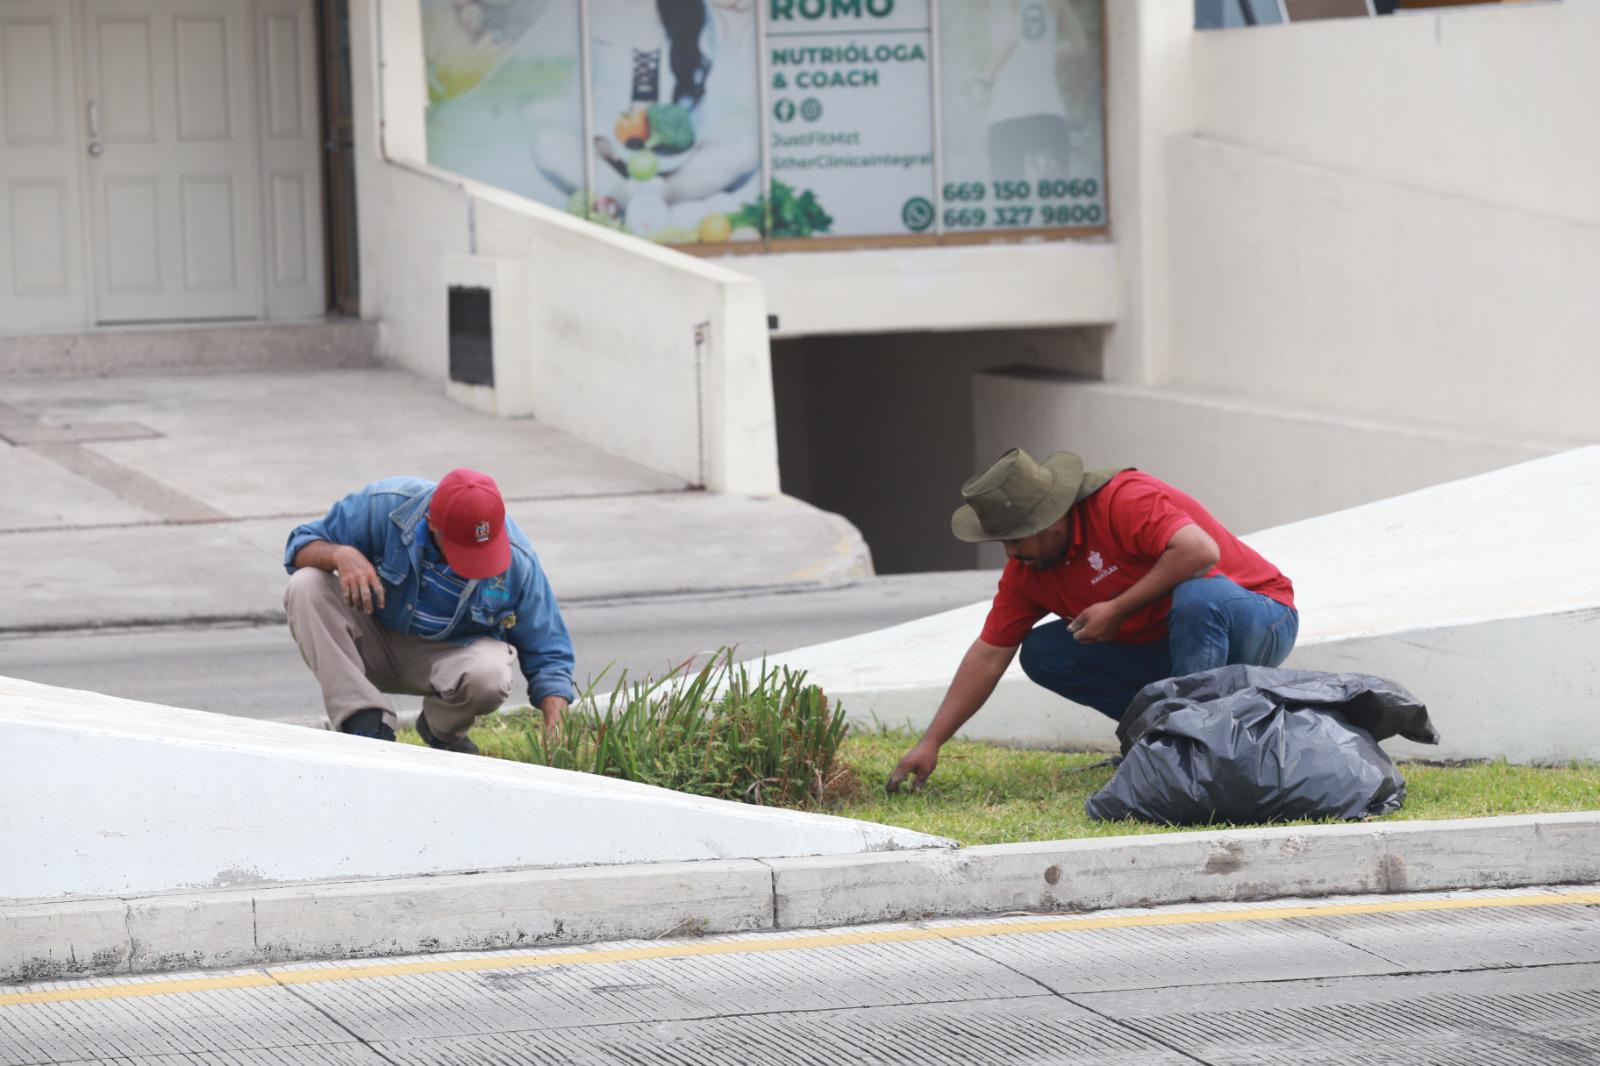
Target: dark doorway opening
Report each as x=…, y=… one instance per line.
x=881, y=428
x=338, y=158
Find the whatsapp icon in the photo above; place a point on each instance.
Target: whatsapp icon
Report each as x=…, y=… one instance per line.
x=917, y=214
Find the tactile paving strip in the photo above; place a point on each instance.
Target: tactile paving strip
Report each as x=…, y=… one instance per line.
x=1032, y=1031
x=659, y=990
x=1548, y=1015
x=226, y=1021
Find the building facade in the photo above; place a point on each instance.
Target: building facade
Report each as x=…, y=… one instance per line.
x=833, y=246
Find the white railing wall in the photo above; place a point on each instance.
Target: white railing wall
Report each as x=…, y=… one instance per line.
x=1395, y=218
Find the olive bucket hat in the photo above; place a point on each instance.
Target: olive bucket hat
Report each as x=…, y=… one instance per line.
x=1018, y=496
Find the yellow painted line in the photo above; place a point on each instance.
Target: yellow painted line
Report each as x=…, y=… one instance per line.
x=692, y=949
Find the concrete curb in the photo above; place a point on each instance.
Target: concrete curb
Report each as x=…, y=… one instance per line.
x=533, y=908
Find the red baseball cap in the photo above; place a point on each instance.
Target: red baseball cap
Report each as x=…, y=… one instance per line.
x=469, y=517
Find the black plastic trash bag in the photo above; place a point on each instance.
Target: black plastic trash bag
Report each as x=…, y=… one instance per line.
x=1252, y=744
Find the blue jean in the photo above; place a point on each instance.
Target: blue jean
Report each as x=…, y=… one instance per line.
x=1213, y=623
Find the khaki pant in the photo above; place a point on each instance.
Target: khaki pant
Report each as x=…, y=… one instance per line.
x=357, y=659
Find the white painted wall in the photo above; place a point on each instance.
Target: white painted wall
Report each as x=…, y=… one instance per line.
x=1252, y=463
x=1345, y=293
x=1481, y=595
x=1149, y=95
x=1493, y=102
x=967, y=287
x=1395, y=217
x=645, y=352
x=103, y=796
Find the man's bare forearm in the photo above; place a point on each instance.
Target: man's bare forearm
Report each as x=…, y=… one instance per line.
x=319, y=555
x=1191, y=553
x=980, y=671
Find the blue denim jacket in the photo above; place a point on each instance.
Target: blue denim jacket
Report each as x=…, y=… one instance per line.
x=382, y=521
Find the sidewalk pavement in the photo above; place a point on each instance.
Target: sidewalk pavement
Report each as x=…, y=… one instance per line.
x=166, y=499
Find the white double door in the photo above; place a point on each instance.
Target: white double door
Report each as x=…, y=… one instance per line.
x=159, y=161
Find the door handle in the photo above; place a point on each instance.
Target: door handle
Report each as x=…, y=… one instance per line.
x=95, y=147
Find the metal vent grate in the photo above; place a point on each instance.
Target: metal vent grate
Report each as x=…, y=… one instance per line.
x=471, y=336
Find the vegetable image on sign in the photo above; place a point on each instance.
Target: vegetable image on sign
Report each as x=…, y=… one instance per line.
x=792, y=215
x=671, y=129
x=643, y=165
x=633, y=127
x=678, y=80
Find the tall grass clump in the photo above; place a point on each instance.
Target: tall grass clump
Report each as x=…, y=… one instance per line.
x=763, y=736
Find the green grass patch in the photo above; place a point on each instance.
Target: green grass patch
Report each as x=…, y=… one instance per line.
x=983, y=794
x=762, y=735
x=756, y=735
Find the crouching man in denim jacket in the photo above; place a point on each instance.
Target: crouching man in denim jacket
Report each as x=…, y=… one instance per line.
x=411, y=587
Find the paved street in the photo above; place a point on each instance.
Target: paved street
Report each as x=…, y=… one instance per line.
x=1487, y=977
x=256, y=671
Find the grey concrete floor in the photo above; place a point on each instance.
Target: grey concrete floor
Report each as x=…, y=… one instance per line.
x=255, y=671
x=1492, y=978
x=166, y=499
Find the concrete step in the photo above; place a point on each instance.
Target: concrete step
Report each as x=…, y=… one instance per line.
x=1482, y=596
x=321, y=345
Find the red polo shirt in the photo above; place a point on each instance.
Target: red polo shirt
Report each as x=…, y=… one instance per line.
x=1117, y=535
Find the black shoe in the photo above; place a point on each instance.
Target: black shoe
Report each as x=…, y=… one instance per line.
x=464, y=745
x=368, y=722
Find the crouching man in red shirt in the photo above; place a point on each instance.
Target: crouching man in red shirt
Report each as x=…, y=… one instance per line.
x=1145, y=585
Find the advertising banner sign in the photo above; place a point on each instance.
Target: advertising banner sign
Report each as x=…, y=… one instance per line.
x=675, y=96
x=852, y=117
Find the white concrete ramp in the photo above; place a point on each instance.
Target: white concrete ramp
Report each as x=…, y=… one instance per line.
x=1481, y=595
x=101, y=796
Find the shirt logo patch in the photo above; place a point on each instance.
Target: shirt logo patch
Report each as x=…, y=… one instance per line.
x=480, y=532
x=1101, y=570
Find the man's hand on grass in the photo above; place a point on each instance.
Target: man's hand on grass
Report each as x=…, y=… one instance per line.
x=553, y=707
x=917, y=764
